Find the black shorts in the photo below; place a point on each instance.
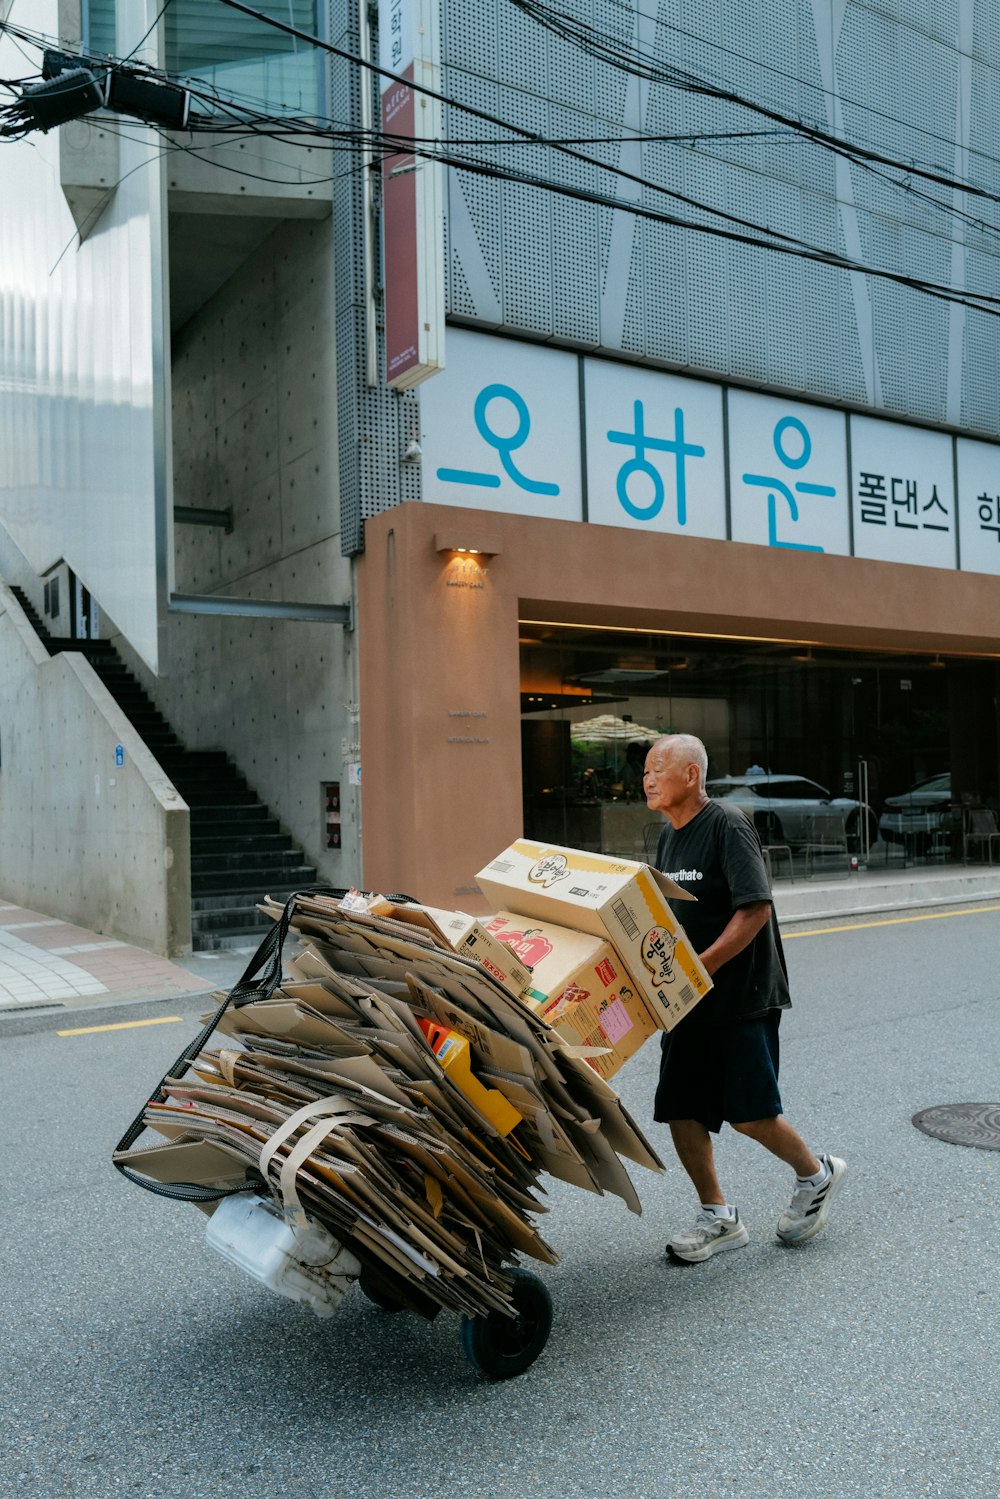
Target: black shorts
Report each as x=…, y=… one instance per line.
x=716, y=1072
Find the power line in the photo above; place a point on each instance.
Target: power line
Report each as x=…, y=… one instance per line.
x=633, y=9
x=980, y=301
x=529, y=135
x=639, y=63
x=775, y=239
x=643, y=65
x=733, y=228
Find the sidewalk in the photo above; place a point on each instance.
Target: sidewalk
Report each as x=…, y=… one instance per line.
x=46, y=963
x=885, y=890
x=49, y=964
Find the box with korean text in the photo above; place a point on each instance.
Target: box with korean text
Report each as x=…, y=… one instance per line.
x=616, y=899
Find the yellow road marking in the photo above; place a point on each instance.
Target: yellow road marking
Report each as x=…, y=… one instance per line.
x=121, y=1025
x=860, y=926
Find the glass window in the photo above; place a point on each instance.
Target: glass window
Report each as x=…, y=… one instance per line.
x=99, y=27
x=234, y=53
x=835, y=754
x=239, y=55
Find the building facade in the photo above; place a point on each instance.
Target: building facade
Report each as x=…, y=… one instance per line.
x=713, y=447
x=717, y=484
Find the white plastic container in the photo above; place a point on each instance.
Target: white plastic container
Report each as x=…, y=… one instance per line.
x=304, y=1264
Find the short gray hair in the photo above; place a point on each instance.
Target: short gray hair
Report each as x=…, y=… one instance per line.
x=691, y=747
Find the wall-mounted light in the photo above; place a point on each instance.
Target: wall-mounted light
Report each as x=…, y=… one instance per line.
x=468, y=544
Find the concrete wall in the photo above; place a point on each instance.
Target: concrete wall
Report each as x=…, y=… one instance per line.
x=83, y=428
x=254, y=417
x=81, y=837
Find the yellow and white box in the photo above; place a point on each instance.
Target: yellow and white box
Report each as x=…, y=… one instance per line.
x=617, y=899
x=469, y=937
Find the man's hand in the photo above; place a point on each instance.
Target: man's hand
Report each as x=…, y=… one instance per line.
x=739, y=932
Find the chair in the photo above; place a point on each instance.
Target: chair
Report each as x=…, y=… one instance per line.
x=938, y=838
x=825, y=834
x=981, y=827
x=770, y=851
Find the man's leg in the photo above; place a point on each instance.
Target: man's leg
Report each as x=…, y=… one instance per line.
x=778, y=1136
x=717, y=1225
x=693, y=1145
x=818, y=1179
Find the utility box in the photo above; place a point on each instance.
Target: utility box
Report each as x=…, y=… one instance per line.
x=330, y=799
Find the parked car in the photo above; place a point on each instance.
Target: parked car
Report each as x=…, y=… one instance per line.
x=794, y=810
x=919, y=813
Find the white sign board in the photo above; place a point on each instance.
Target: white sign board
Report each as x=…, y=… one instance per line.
x=654, y=450
x=395, y=37
x=501, y=429
x=526, y=429
x=904, y=493
x=979, y=506
x=788, y=475
x=412, y=213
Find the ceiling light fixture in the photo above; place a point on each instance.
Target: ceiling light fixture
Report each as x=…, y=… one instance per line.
x=594, y=629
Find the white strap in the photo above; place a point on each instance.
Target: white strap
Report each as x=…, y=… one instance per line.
x=310, y=1141
x=322, y=1108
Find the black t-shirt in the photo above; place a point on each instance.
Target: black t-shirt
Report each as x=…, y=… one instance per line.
x=717, y=857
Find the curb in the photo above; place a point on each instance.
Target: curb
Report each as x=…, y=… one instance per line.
x=40, y=1018
x=882, y=905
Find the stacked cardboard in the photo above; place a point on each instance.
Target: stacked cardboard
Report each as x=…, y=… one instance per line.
x=395, y=1092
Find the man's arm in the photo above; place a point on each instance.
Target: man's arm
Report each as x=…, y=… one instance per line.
x=740, y=930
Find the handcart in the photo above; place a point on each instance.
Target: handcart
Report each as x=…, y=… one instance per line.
x=380, y=1114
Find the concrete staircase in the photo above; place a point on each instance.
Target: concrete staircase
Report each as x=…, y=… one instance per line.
x=239, y=852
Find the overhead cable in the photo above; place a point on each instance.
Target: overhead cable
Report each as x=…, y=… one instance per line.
x=641, y=64
x=731, y=227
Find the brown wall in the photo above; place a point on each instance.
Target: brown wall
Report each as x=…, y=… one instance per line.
x=438, y=639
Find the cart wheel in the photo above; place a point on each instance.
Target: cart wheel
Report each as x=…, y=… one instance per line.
x=500, y=1346
x=378, y=1295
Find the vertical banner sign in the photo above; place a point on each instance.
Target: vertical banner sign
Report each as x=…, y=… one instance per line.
x=412, y=195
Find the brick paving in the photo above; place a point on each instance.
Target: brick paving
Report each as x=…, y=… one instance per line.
x=48, y=962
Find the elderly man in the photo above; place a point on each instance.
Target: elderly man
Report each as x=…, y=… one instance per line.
x=721, y=1062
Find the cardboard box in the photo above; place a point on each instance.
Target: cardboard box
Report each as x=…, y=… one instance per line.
x=580, y=985
x=620, y=901
x=468, y=937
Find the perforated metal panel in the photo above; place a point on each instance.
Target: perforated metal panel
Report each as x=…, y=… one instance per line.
x=574, y=272
x=981, y=389
x=374, y=424
x=533, y=262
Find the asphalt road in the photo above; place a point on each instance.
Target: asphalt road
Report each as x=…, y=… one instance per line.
x=861, y=1365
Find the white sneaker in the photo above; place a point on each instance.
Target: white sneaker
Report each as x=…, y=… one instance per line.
x=806, y=1213
x=708, y=1235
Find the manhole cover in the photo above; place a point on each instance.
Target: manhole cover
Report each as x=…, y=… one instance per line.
x=962, y=1124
